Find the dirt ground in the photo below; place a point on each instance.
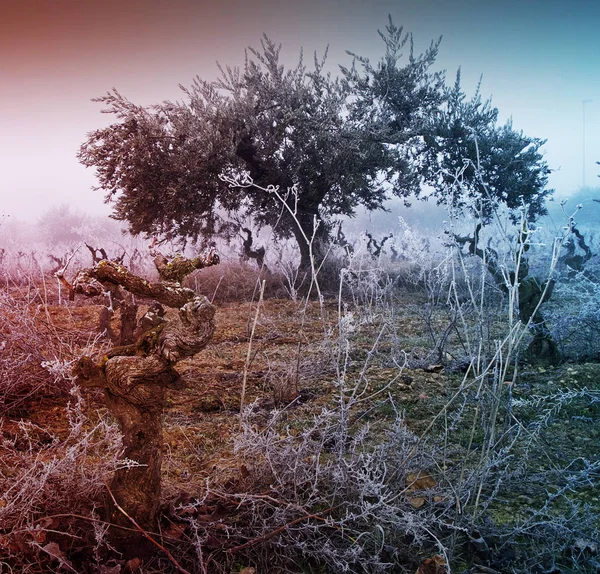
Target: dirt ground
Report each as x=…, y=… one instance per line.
x=291, y=361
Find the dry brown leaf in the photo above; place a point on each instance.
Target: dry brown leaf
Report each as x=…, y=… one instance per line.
x=420, y=481
x=416, y=502
x=38, y=535
x=434, y=565
x=175, y=531
x=53, y=549
x=7, y=542
x=133, y=565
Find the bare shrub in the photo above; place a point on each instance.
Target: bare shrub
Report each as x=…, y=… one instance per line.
x=574, y=316
x=234, y=281
x=329, y=478
x=324, y=492
x=49, y=483
x=35, y=353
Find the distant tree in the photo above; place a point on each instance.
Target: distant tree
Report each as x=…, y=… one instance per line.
x=62, y=225
x=375, y=246
x=532, y=291
x=257, y=254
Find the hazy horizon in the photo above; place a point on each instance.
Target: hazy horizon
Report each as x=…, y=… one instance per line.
x=539, y=61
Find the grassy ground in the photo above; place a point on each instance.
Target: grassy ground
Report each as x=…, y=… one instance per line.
x=295, y=362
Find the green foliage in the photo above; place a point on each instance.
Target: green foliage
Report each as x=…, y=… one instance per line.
x=290, y=129
x=436, y=136
x=337, y=142
x=284, y=127
x=473, y=162
x=393, y=101
x=160, y=166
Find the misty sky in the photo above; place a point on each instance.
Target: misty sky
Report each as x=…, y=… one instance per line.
x=540, y=59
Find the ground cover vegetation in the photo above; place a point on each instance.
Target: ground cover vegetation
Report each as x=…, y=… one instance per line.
x=394, y=402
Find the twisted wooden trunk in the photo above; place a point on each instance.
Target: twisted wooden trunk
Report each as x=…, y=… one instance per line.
x=135, y=377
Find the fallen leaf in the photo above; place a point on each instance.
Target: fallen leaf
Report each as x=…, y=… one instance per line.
x=133, y=565
x=175, y=531
x=434, y=565
x=416, y=502
x=8, y=543
x=53, y=549
x=420, y=481
x=38, y=535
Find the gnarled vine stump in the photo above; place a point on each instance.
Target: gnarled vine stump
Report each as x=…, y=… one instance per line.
x=135, y=377
x=533, y=293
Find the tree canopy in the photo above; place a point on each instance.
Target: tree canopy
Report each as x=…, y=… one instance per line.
x=472, y=161
x=339, y=142
x=448, y=141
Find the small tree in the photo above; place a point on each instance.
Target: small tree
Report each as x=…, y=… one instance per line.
x=532, y=292
x=61, y=225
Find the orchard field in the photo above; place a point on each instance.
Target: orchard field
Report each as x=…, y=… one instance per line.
x=394, y=424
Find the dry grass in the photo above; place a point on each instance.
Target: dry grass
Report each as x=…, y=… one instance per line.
x=212, y=495
x=230, y=281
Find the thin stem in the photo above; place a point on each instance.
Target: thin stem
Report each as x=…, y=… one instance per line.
x=249, y=352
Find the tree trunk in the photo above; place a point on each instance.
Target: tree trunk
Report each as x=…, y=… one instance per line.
x=128, y=311
x=305, y=264
x=543, y=350
x=305, y=233
x=257, y=254
x=135, y=378
x=104, y=322
x=136, y=395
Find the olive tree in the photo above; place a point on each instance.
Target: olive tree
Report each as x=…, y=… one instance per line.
x=328, y=144
x=293, y=128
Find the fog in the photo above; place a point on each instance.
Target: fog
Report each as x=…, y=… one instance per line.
x=538, y=61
